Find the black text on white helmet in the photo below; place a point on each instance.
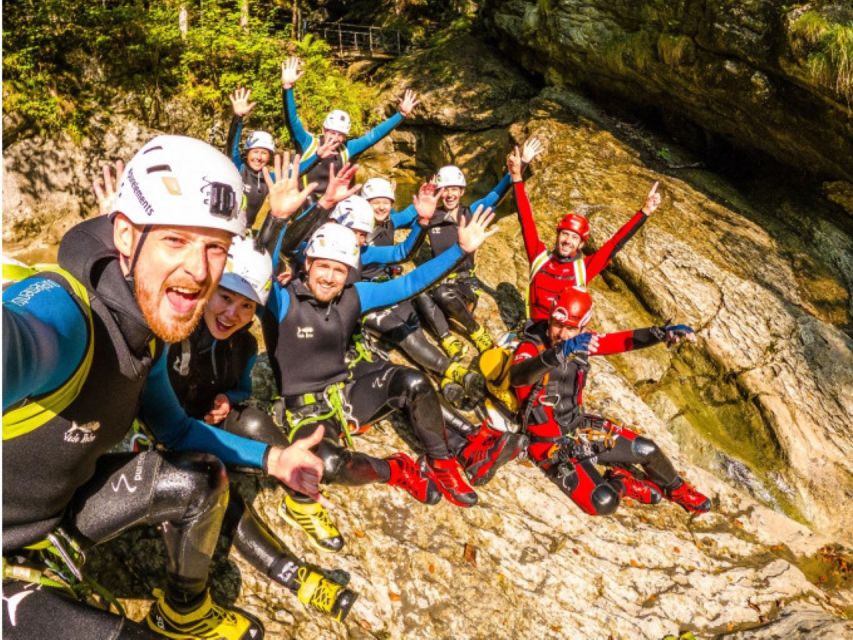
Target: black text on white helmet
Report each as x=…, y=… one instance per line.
x=339, y=121
x=450, y=176
x=334, y=242
x=355, y=213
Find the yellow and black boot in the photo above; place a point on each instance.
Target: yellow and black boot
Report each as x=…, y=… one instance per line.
x=453, y=347
x=324, y=595
x=471, y=383
x=314, y=520
x=207, y=620
x=482, y=340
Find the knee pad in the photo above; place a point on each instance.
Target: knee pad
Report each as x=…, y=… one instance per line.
x=409, y=384
x=199, y=479
x=445, y=294
x=251, y=422
x=604, y=500
x=644, y=449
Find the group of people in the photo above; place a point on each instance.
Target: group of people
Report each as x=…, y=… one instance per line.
x=146, y=321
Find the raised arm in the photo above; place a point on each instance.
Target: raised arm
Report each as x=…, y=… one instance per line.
x=533, y=246
x=396, y=253
x=44, y=338
x=291, y=71
x=407, y=104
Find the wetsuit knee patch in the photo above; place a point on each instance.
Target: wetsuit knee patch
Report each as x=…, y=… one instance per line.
x=643, y=448
x=605, y=500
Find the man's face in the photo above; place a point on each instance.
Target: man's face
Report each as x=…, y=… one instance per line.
x=257, y=159
x=334, y=136
x=227, y=312
x=177, y=270
x=381, y=208
x=568, y=243
x=326, y=278
x=450, y=197
x=558, y=332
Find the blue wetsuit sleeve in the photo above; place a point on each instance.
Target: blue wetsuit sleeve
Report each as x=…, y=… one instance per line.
x=278, y=302
x=494, y=196
x=376, y=295
x=301, y=138
x=44, y=338
x=243, y=390
x=360, y=145
x=276, y=254
x=235, y=131
x=394, y=253
x=163, y=414
x=405, y=218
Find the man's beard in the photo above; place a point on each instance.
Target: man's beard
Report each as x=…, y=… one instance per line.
x=178, y=328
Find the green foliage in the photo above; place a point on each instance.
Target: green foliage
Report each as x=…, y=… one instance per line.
x=830, y=51
x=66, y=61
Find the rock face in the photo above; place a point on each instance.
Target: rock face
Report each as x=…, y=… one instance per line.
x=738, y=69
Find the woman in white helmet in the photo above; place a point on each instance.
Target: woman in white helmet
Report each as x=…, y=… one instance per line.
x=258, y=152
x=336, y=128
x=457, y=296
x=211, y=374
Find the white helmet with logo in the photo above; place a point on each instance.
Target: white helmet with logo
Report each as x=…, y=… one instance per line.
x=334, y=242
x=356, y=213
x=248, y=271
x=450, y=176
x=339, y=121
x=377, y=188
x=260, y=140
x=183, y=182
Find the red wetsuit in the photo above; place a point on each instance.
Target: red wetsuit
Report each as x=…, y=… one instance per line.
x=551, y=273
x=557, y=411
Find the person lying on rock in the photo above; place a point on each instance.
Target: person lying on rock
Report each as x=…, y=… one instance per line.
x=79, y=345
x=258, y=152
x=211, y=374
x=552, y=270
x=549, y=370
x=308, y=326
x=400, y=325
x=457, y=296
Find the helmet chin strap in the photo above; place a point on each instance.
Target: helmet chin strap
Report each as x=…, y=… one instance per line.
x=135, y=257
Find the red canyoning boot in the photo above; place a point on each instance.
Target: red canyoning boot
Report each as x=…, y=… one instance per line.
x=634, y=488
x=445, y=472
x=410, y=476
x=690, y=499
x=487, y=451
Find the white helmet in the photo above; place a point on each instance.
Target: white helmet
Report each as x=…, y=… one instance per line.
x=450, y=176
x=260, y=140
x=248, y=271
x=334, y=242
x=339, y=121
x=181, y=182
x=356, y=213
x=377, y=188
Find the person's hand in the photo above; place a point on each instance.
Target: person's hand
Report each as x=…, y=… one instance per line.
x=514, y=164
x=106, y=189
x=652, y=201
x=531, y=148
x=240, y=102
x=327, y=148
x=408, y=103
x=284, y=194
x=675, y=333
x=291, y=72
x=284, y=278
x=221, y=409
x=297, y=467
x=426, y=202
x=582, y=344
x=338, y=188
x=472, y=234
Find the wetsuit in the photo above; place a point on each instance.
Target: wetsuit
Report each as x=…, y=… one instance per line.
x=59, y=473
x=254, y=186
x=456, y=297
x=555, y=411
x=550, y=273
x=307, y=143
x=299, y=329
x=200, y=368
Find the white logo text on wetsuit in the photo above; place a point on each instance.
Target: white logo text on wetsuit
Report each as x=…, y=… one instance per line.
x=304, y=332
x=81, y=433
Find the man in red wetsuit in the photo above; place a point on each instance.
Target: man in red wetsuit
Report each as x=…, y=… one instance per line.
x=552, y=270
x=548, y=373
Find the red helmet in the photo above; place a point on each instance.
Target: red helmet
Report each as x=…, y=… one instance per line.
x=572, y=308
x=575, y=222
